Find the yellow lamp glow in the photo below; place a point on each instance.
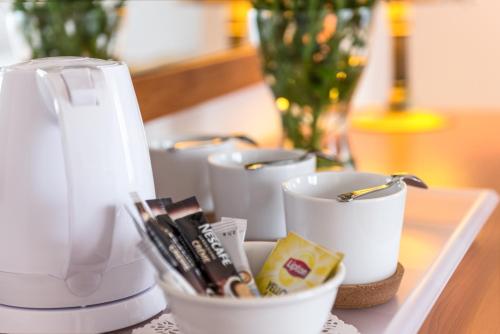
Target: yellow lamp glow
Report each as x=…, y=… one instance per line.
x=409, y=121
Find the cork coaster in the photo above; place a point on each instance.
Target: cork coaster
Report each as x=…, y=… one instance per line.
x=352, y=296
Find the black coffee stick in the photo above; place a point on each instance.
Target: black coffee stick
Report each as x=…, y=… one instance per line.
x=158, y=205
x=171, y=249
x=207, y=248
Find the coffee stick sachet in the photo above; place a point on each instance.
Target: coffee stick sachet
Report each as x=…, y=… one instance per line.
x=158, y=208
x=241, y=225
x=158, y=205
x=209, y=251
x=231, y=233
x=166, y=272
x=171, y=248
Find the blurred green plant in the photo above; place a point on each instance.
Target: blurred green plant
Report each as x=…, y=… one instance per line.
x=69, y=27
x=301, y=5
x=313, y=52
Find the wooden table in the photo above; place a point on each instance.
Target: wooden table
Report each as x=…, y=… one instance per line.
x=465, y=154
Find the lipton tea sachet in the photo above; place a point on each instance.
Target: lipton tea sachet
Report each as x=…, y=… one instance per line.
x=296, y=264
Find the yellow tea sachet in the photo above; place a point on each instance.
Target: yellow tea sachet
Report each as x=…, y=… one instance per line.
x=296, y=264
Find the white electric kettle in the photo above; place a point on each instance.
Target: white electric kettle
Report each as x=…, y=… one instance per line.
x=72, y=148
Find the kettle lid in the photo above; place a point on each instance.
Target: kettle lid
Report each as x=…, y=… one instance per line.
x=61, y=63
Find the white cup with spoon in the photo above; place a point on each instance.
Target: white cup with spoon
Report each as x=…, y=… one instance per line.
x=367, y=229
x=247, y=184
x=180, y=166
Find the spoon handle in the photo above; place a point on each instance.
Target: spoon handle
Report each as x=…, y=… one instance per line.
x=202, y=141
x=347, y=197
x=245, y=139
x=195, y=143
x=261, y=164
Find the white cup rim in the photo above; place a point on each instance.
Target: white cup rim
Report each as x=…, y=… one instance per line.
x=286, y=186
x=215, y=158
x=275, y=301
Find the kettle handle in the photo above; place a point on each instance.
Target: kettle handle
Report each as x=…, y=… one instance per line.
x=92, y=149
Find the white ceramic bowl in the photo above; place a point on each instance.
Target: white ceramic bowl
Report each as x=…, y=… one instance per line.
x=255, y=194
x=303, y=312
x=366, y=230
x=184, y=173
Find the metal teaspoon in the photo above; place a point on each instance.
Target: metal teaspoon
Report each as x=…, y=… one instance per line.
x=261, y=164
x=409, y=179
x=208, y=140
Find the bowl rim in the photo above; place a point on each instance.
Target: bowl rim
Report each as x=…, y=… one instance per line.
x=214, y=159
x=288, y=191
x=330, y=285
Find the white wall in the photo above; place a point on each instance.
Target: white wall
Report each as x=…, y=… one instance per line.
x=455, y=54
x=6, y=56
x=155, y=31
x=3, y=32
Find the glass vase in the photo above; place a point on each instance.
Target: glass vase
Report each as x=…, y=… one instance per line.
x=312, y=58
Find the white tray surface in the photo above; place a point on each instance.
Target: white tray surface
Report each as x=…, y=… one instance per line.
x=440, y=225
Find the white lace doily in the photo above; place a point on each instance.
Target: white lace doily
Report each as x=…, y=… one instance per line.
x=165, y=324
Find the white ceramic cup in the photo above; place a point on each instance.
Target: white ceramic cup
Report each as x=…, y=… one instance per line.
x=366, y=230
x=255, y=194
x=302, y=312
x=184, y=173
